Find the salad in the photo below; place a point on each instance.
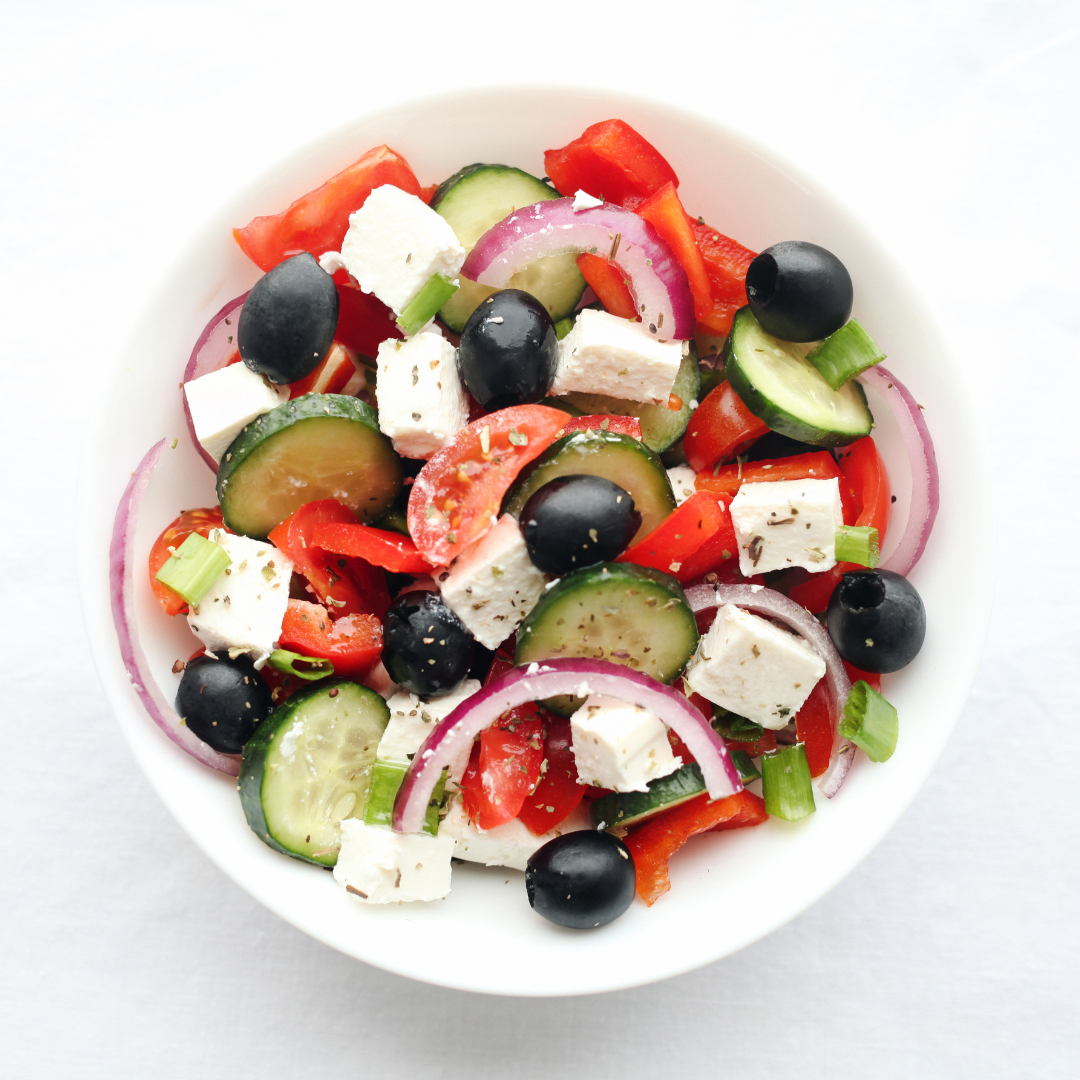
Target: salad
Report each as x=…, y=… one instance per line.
x=549, y=535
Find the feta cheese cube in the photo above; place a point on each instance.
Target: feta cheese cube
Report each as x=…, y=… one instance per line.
x=244, y=608
x=787, y=523
x=584, y=201
x=620, y=745
x=509, y=844
x=604, y=354
x=753, y=668
x=394, y=245
x=412, y=718
x=493, y=584
x=380, y=866
x=682, y=479
x=422, y=403
x=224, y=402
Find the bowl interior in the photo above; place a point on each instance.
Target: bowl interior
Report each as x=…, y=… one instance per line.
x=728, y=889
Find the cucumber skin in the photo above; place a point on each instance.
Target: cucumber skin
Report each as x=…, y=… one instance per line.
x=253, y=765
x=778, y=419
x=629, y=807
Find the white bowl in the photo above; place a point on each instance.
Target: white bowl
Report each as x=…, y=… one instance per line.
x=727, y=889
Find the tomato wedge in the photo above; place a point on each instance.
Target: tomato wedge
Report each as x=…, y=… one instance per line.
x=200, y=521
x=352, y=643
x=503, y=768
x=609, y=283
x=457, y=495
x=317, y=222
x=380, y=547
x=720, y=428
x=672, y=545
x=557, y=792
x=621, y=425
x=363, y=319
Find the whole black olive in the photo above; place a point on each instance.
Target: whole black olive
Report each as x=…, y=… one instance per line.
x=288, y=321
x=799, y=291
x=577, y=521
x=508, y=350
x=222, y=700
x=876, y=620
x=426, y=648
x=581, y=879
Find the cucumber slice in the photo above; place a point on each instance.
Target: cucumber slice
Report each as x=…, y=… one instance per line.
x=480, y=196
x=618, y=458
x=629, y=614
x=780, y=386
x=661, y=426
x=625, y=807
x=320, y=446
x=308, y=766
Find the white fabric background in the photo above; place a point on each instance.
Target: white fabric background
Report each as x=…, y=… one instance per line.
x=952, y=952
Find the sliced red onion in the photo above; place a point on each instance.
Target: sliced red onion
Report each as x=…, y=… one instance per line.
x=451, y=739
x=122, y=565
x=924, y=471
x=769, y=602
x=214, y=347
x=658, y=283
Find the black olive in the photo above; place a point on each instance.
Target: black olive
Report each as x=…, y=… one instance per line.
x=876, y=620
x=581, y=879
x=799, y=291
x=288, y=321
x=222, y=700
x=508, y=350
x=426, y=648
x=577, y=521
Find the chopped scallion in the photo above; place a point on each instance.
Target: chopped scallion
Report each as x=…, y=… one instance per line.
x=563, y=327
x=308, y=668
x=785, y=780
x=843, y=355
x=431, y=818
x=748, y=771
x=858, y=544
x=425, y=305
x=196, y=564
x=386, y=777
x=736, y=728
x=870, y=722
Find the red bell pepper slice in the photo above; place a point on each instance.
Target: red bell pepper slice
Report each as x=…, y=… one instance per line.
x=609, y=160
x=352, y=643
x=814, y=728
x=317, y=222
x=871, y=678
x=609, y=283
x=332, y=375
x=363, y=319
x=200, y=521
x=672, y=544
x=347, y=586
x=621, y=425
x=654, y=841
x=726, y=262
x=558, y=792
x=380, y=547
x=503, y=768
x=720, y=428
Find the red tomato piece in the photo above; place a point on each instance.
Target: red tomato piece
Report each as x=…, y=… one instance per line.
x=610, y=285
x=461, y=488
x=557, y=792
x=503, y=769
x=352, y=643
x=672, y=544
x=814, y=727
x=611, y=161
x=363, y=319
x=621, y=425
x=720, y=428
x=317, y=222
x=654, y=841
x=427, y=192
x=332, y=375
x=380, y=547
x=347, y=586
x=200, y=521
x=871, y=678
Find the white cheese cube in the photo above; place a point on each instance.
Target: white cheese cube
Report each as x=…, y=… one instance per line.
x=243, y=609
x=787, y=523
x=224, y=402
x=422, y=403
x=379, y=866
x=620, y=745
x=394, y=245
x=682, y=479
x=753, y=668
x=604, y=354
x=412, y=718
x=509, y=844
x=493, y=584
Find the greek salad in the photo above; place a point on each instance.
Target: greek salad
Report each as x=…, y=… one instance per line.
x=549, y=531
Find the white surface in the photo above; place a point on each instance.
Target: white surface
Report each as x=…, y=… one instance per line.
x=949, y=952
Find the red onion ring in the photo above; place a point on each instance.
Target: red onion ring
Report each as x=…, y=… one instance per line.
x=925, y=495
x=452, y=737
x=210, y=353
x=658, y=283
x=769, y=602
x=122, y=591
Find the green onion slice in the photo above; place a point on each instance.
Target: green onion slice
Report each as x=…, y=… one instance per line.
x=870, y=722
x=858, y=544
x=386, y=777
x=845, y=354
x=748, y=771
x=563, y=327
x=425, y=305
x=785, y=776
x=308, y=668
x=194, y=567
x=435, y=803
